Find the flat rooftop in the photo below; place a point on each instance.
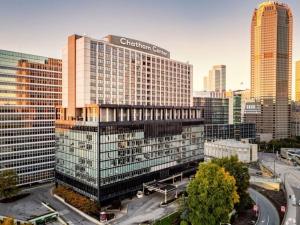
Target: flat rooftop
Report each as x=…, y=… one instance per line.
x=231, y=143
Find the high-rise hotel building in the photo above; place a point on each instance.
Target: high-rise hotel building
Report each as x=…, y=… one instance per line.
x=271, y=67
x=30, y=89
x=127, y=117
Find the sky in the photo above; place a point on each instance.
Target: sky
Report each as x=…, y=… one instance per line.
x=201, y=32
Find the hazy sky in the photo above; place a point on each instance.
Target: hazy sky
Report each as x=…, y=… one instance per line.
x=203, y=32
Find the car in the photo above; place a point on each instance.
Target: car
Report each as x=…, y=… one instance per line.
x=293, y=198
x=139, y=194
x=259, y=173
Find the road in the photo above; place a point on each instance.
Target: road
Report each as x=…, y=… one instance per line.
x=71, y=217
x=290, y=176
x=42, y=194
x=144, y=209
x=268, y=213
x=148, y=208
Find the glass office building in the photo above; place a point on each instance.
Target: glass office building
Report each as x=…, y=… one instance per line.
x=271, y=67
x=126, y=118
x=215, y=110
x=235, y=108
x=30, y=88
x=230, y=131
x=112, y=159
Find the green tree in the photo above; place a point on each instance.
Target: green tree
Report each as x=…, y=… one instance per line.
x=8, y=184
x=211, y=195
x=241, y=174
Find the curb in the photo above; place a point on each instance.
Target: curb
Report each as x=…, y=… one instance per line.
x=259, y=214
x=61, y=220
x=286, y=195
x=76, y=210
x=287, y=208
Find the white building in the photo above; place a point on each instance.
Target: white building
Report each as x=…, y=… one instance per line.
x=208, y=94
x=123, y=71
x=245, y=151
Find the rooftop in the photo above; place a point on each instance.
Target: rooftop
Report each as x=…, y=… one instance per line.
x=232, y=143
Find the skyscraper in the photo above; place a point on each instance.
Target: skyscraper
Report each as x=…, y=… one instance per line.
x=216, y=79
x=271, y=66
x=297, y=83
x=30, y=88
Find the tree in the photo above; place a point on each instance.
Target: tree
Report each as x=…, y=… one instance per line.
x=241, y=174
x=211, y=195
x=8, y=183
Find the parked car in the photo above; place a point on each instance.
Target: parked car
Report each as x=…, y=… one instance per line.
x=293, y=198
x=139, y=194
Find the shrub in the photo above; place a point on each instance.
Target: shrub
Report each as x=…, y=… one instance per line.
x=77, y=200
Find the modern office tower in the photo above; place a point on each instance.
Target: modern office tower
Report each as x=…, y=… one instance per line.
x=271, y=66
x=215, y=110
x=237, y=103
x=127, y=117
x=297, y=83
x=295, y=119
x=235, y=108
x=216, y=80
x=238, y=132
x=30, y=89
x=205, y=83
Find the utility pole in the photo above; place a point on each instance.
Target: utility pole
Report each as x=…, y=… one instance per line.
x=274, y=168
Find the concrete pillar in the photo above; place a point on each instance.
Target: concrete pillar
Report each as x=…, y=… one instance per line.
x=165, y=196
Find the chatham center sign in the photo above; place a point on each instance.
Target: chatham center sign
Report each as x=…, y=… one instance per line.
x=138, y=45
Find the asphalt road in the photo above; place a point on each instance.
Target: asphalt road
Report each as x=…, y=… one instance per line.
x=268, y=213
x=42, y=194
x=297, y=194
x=148, y=208
x=290, y=176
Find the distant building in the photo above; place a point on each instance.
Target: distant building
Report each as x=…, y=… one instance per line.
x=215, y=110
x=209, y=94
x=205, y=83
x=259, y=112
x=237, y=102
x=271, y=66
x=297, y=82
x=295, y=118
x=230, y=131
x=216, y=79
x=235, y=109
x=245, y=151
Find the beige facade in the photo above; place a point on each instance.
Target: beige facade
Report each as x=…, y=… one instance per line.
x=122, y=71
x=297, y=83
x=216, y=79
x=271, y=65
x=245, y=151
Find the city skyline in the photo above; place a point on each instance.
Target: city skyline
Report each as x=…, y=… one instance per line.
x=203, y=47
